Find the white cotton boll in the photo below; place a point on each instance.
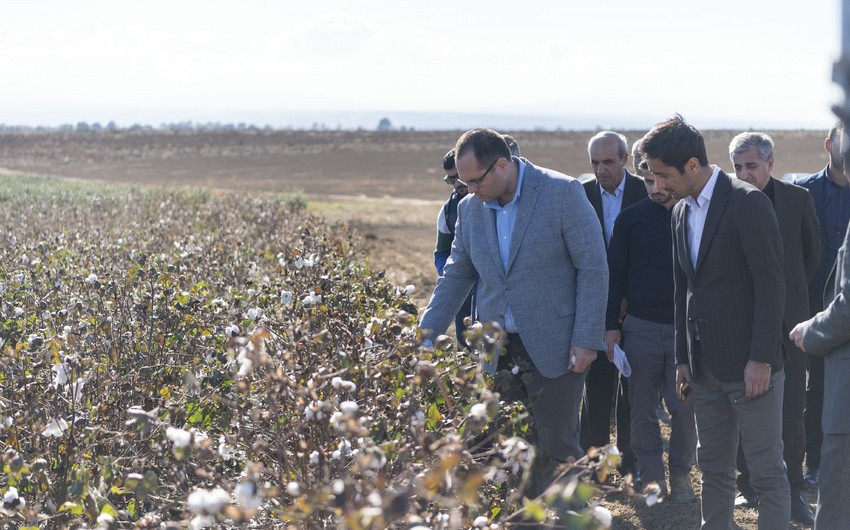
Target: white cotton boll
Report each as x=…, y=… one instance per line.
x=311, y=299
x=409, y=289
x=200, y=436
x=286, y=298
x=341, y=384
x=255, y=313
x=91, y=279
x=201, y=521
x=651, y=499
x=105, y=519
x=6, y=422
x=76, y=389
x=314, y=458
x=60, y=374
x=246, y=365
x=299, y=263
x=224, y=450
x=246, y=495
x=515, y=370
x=231, y=331
x=349, y=407
x=55, y=428
x=294, y=489
x=338, y=487
x=179, y=437
x=67, y=329
x=603, y=516
x=479, y=410
x=18, y=311
x=13, y=500
x=208, y=502
x=480, y=522
x=34, y=341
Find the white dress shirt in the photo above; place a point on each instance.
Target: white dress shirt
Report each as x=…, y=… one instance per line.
x=612, y=203
x=697, y=212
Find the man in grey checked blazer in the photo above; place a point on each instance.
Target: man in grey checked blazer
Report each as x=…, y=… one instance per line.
x=531, y=239
x=828, y=334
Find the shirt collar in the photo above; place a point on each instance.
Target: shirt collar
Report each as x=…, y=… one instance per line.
x=707, y=190
x=618, y=191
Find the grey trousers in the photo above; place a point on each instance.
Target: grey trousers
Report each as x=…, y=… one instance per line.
x=554, y=405
x=722, y=411
x=649, y=348
x=833, y=511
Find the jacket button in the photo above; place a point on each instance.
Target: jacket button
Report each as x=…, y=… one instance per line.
x=507, y=288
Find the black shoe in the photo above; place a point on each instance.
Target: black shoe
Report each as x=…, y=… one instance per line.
x=800, y=510
x=746, y=500
x=811, y=476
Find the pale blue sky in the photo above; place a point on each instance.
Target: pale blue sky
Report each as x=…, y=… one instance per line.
x=616, y=63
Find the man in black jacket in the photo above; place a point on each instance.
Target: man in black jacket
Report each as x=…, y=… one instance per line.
x=612, y=190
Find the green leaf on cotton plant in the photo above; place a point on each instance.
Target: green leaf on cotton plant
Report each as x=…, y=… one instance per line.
x=434, y=416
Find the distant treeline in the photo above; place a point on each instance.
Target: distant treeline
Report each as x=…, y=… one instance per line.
x=112, y=126
x=383, y=125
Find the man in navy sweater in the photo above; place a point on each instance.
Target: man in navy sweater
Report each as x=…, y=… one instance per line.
x=642, y=234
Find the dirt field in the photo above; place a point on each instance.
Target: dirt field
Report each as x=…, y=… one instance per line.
x=387, y=185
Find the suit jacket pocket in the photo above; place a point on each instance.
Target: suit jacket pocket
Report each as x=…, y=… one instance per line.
x=565, y=310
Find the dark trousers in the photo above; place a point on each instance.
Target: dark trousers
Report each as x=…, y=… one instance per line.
x=814, y=411
x=554, y=405
x=793, y=426
x=725, y=418
x=649, y=349
x=601, y=393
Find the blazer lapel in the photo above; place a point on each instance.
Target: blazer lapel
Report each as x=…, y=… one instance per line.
x=716, y=205
x=596, y=201
x=525, y=210
x=684, y=256
x=491, y=238
x=633, y=191
x=780, y=204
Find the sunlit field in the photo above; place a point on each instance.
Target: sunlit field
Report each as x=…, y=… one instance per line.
x=182, y=345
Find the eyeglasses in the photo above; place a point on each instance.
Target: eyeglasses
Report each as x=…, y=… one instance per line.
x=477, y=182
x=450, y=179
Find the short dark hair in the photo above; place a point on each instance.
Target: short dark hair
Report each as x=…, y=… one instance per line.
x=487, y=145
x=836, y=131
x=449, y=160
x=674, y=142
x=512, y=144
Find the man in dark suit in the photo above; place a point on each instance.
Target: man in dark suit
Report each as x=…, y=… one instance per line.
x=828, y=334
x=752, y=156
x=522, y=234
x=638, y=271
x=612, y=190
x=729, y=300
x=831, y=194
